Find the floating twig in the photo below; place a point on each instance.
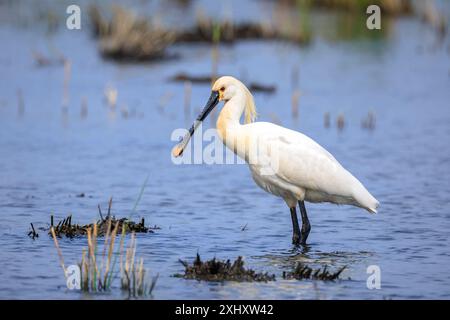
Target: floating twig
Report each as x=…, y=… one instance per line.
x=33, y=234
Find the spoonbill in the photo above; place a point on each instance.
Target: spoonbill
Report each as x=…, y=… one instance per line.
x=304, y=170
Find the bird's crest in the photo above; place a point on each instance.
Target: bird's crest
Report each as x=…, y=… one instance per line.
x=250, y=108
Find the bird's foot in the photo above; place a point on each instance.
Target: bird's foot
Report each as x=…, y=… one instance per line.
x=296, y=239
x=300, y=239
x=306, y=228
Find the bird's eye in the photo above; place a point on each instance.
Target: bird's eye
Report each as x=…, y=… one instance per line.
x=222, y=89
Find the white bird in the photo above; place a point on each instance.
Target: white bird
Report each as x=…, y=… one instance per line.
x=283, y=162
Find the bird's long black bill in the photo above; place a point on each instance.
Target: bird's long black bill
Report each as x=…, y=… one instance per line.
x=210, y=105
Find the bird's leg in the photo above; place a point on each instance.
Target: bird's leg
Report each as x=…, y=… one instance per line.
x=296, y=230
x=306, y=227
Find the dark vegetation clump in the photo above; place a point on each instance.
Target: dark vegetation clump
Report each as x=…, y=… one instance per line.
x=98, y=271
x=126, y=36
x=122, y=35
x=217, y=270
x=390, y=7
x=205, y=30
x=207, y=79
x=302, y=272
x=66, y=228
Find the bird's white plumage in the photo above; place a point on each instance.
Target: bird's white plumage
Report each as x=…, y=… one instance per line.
x=287, y=163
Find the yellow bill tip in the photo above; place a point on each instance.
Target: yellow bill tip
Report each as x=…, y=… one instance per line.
x=177, y=151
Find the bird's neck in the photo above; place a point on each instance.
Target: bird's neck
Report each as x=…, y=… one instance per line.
x=228, y=120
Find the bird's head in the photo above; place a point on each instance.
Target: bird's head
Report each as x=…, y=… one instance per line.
x=227, y=87
x=224, y=89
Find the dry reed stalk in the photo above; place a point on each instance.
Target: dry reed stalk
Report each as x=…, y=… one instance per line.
x=94, y=237
x=187, y=99
x=105, y=244
x=295, y=77
x=340, y=122
x=92, y=252
x=84, y=108
x=109, y=206
x=20, y=103
x=122, y=240
x=61, y=259
x=111, y=95
x=141, y=274
x=67, y=73
x=131, y=253
x=84, y=272
x=126, y=267
x=153, y=284
x=129, y=282
x=295, y=103
x=214, y=63
x=97, y=279
x=111, y=249
x=326, y=120
x=214, y=75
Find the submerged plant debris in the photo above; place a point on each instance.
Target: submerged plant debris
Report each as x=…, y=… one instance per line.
x=302, y=272
x=217, y=270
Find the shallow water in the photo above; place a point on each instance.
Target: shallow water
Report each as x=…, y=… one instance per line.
x=48, y=157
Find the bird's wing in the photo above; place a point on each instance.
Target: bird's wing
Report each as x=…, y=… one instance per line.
x=299, y=160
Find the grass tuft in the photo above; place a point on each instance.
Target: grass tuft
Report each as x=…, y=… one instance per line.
x=97, y=270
